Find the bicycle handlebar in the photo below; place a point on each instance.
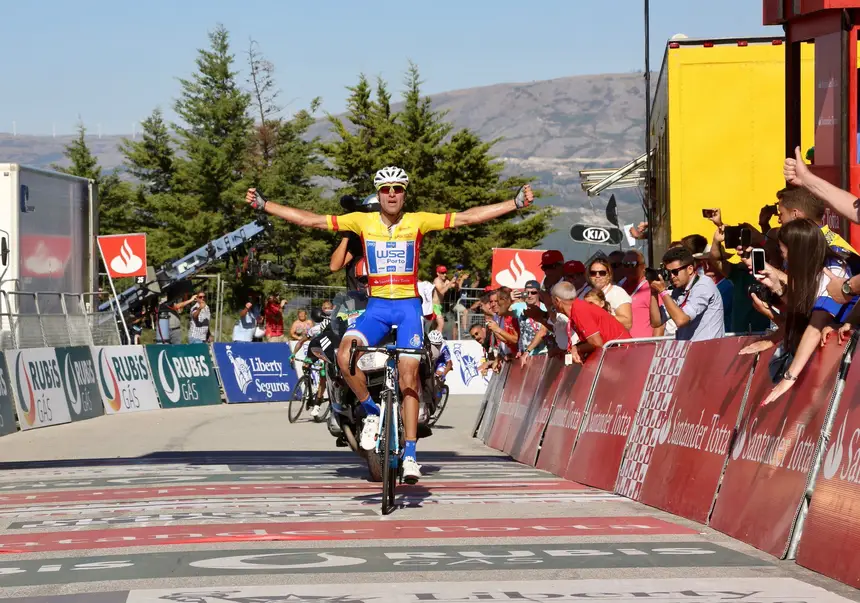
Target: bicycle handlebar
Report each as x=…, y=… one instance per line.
x=389, y=350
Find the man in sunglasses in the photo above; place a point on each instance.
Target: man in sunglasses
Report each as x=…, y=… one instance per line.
x=551, y=263
x=392, y=241
x=694, y=304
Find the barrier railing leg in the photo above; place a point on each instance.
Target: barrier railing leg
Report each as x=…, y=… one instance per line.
x=823, y=441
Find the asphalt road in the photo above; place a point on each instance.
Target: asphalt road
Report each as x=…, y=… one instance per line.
x=235, y=504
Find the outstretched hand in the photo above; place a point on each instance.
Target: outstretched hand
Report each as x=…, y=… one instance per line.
x=795, y=169
x=255, y=199
x=525, y=197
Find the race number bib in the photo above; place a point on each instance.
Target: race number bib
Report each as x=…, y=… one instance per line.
x=388, y=257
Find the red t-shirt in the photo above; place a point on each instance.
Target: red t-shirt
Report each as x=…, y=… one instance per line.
x=587, y=319
x=274, y=320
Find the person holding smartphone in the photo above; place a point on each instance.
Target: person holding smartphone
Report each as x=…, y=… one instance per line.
x=808, y=306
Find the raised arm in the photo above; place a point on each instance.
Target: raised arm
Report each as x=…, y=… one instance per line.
x=479, y=215
x=341, y=257
x=797, y=173
x=290, y=214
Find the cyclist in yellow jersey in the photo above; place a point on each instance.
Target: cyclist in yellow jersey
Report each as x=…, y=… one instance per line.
x=392, y=243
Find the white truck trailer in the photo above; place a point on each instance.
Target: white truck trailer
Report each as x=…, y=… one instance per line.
x=49, y=221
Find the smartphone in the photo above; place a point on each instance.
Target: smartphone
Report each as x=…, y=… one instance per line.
x=758, y=261
x=733, y=237
x=708, y=213
x=746, y=237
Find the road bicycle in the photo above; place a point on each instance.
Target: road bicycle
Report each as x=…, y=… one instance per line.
x=307, y=392
x=390, y=438
x=440, y=399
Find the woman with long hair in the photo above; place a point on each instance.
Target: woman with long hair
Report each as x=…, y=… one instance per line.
x=808, y=306
x=599, y=274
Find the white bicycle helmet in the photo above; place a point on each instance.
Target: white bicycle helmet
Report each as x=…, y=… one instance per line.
x=390, y=175
x=435, y=337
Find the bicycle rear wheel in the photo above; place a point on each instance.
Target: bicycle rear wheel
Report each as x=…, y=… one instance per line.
x=301, y=396
x=391, y=461
x=440, y=405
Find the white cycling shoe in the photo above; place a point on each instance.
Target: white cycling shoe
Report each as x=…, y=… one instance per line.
x=411, y=471
x=315, y=411
x=369, y=432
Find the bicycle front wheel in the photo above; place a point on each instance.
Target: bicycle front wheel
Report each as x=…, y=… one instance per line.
x=390, y=466
x=440, y=405
x=301, y=395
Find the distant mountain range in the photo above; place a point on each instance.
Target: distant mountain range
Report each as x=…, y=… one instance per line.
x=550, y=129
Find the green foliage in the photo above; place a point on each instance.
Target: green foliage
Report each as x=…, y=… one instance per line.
x=151, y=160
x=116, y=198
x=447, y=172
x=191, y=176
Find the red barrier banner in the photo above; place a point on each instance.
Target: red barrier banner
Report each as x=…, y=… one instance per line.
x=526, y=449
x=831, y=533
x=507, y=407
x=651, y=415
x=693, y=442
x=770, y=461
x=603, y=433
x=521, y=418
x=568, y=408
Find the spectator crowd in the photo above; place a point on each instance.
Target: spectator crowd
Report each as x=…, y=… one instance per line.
x=795, y=283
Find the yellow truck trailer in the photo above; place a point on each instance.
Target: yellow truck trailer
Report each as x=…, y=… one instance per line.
x=718, y=132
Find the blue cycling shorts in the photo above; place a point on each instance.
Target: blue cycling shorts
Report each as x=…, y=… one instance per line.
x=382, y=314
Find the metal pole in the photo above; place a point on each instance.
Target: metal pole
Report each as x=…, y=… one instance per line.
x=648, y=201
x=113, y=290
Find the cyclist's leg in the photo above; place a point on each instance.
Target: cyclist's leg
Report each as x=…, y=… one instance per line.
x=410, y=334
x=370, y=328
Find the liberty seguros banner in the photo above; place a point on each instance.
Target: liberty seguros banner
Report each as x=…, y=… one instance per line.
x=38, y=387
x=255, y=372
x=466, y=357
x=124, y=378
x=183, y=375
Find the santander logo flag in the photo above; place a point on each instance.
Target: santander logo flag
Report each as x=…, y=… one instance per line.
x=124, y=255
x=515, y=267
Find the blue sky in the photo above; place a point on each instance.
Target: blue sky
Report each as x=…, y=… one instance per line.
x=112, y=62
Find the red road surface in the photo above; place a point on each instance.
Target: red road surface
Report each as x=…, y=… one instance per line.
x=359, y=530
x=102, y=494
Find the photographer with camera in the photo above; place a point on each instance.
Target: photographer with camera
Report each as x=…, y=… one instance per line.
x=749, y=312
x=694, y=303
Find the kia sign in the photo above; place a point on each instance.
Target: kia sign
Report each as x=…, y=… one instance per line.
x=124, y=255
x=78, y=374
x=596, y=235
x=183, y=375
x=255, y=372
x=38, y=387
x=7, y=404
x=124, y=379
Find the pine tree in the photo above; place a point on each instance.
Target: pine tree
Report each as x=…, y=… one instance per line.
x=151, y=159
x=214, y=137
x=115, y=197
x=82, y=161
x=447, y=172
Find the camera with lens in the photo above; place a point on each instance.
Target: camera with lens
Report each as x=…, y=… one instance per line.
x=652, y=274
x=762, y=292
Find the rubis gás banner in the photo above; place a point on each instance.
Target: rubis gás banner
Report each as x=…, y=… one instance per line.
x=124, y=378
x=255, y=372
x=183, y=375
x=78, y=374
x=38, y=387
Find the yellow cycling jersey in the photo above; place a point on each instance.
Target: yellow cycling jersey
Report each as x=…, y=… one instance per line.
x=391, y=253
